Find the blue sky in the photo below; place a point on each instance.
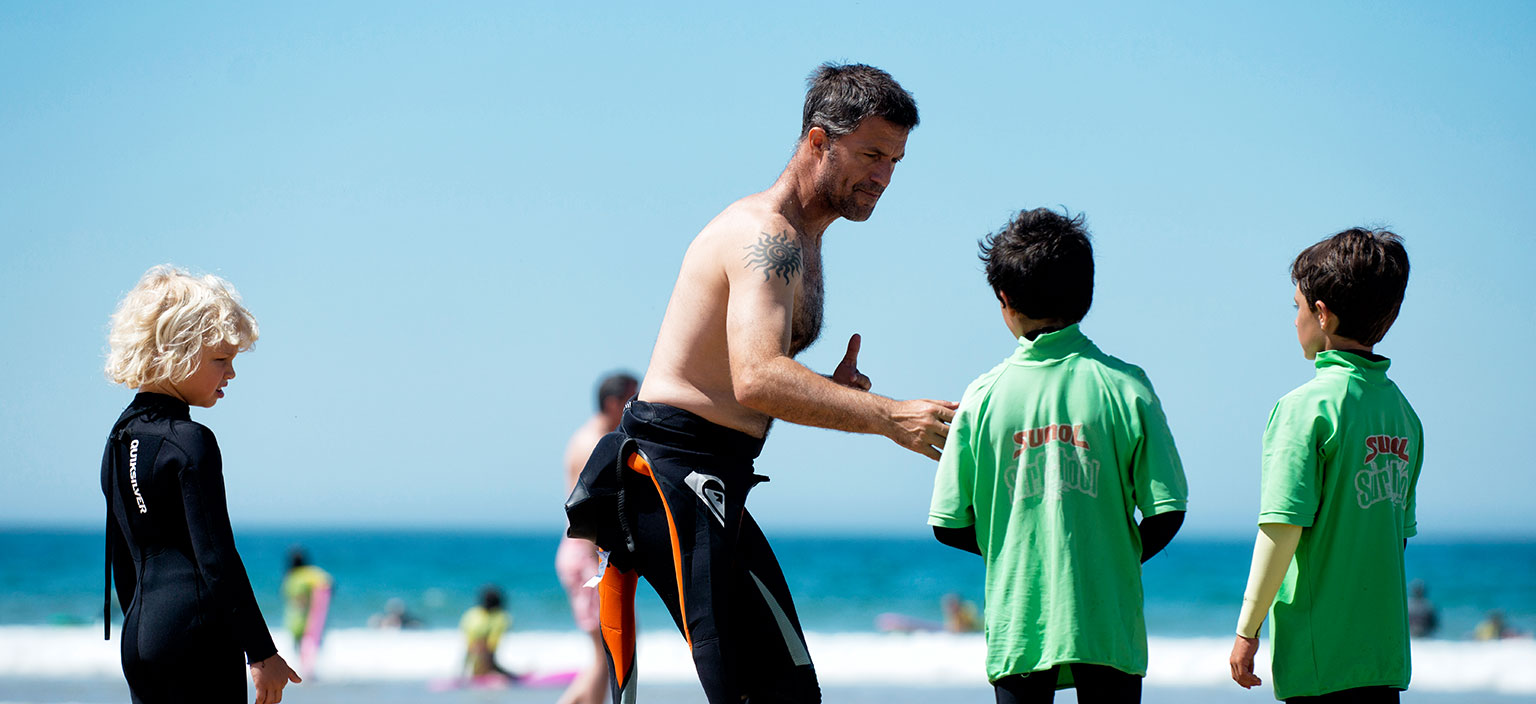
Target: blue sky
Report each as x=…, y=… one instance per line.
x=451, y=219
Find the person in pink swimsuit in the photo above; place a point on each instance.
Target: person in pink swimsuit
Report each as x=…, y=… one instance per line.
x=576, y=560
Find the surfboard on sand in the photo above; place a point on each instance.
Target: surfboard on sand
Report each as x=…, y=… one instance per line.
x=314, y=628
x=558, y=678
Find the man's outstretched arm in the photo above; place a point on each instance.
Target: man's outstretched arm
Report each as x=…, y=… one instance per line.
x=759, y=316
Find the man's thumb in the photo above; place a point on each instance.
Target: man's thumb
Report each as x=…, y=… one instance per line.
x=853, y=350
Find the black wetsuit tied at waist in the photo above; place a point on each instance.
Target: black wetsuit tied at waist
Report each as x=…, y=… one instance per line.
x=190, y=619
x=685, y=484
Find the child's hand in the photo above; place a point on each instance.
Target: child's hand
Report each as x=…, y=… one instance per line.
x=270, y=676
x=1241, y=662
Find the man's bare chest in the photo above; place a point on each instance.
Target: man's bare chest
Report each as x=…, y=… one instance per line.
x=806, y=325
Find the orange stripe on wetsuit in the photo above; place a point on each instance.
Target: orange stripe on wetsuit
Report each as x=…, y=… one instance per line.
x=638, y=463
x=616, y=600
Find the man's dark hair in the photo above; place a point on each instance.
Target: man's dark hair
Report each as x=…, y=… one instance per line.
x=840, y=96
x=620, y=385
x=1361, y=274
x=1042, y=261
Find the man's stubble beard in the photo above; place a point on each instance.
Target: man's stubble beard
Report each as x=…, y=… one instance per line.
x=845, y=205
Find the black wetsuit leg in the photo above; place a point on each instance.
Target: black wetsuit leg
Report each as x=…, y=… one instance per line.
x=710, y=563
x=770, y=627
x=1033, y=688
x=1095, y=684
x=1358, y=695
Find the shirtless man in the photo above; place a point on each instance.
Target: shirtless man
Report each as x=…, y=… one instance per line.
x=747, y=300
x=576, y=559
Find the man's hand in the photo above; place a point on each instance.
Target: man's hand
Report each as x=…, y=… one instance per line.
x=270, y=676
x=1241, y=662
x=922, y=425
x=847, y=372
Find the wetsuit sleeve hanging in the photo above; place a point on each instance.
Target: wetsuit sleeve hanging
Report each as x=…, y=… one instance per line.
x=213, y=545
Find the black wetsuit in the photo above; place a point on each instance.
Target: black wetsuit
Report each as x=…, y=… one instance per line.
x=707, y=559
x=190, y=620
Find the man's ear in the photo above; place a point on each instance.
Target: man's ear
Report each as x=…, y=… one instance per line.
x=818, y=139
x=1003, y=299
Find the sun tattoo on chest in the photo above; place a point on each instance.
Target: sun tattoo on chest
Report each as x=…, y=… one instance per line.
x=775, y=255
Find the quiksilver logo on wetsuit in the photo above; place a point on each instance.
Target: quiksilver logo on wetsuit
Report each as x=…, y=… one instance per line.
x=709, y=488
x=133, y=475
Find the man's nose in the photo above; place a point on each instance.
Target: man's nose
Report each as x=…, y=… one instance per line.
x=882, y=173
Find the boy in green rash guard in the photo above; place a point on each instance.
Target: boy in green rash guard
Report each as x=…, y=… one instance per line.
x=1342, y=454
x=1049, y=457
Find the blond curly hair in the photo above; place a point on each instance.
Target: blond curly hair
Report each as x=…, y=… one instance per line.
x=162, y=325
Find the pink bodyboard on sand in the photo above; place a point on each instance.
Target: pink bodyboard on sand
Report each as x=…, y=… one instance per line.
x=496, y=681
x=314, y=628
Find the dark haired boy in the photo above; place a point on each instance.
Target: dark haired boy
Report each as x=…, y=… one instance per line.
x=1050, y=456
x=1342, y=455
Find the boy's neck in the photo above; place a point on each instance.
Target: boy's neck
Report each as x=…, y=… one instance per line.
x=1031, y=328
x=1026, y=327
x=1344, y=344
x=1042, y=329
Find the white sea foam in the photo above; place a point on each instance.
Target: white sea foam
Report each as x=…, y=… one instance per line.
x=362, y=655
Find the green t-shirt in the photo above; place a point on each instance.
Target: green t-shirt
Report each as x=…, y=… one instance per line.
x=1341, y=458
x=1049, y=456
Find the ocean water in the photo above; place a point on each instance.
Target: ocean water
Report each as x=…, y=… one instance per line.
x=51, y=587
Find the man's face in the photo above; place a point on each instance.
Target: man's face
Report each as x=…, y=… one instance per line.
x=857, y=167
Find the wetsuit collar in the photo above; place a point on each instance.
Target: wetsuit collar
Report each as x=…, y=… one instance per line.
x=171, y=406
x=1366, y=365
x=1051, y=346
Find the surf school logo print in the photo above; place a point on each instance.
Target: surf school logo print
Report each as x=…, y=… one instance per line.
x=1030, y=439
x=1055, y=457
x=1385, y=476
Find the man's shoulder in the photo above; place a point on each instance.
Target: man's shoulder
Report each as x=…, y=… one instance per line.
x=748, y=220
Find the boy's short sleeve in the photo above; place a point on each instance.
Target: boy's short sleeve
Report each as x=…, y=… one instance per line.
x=1155, y=465
x=953, y=485
x=1411, y=508
x=1292, y=481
